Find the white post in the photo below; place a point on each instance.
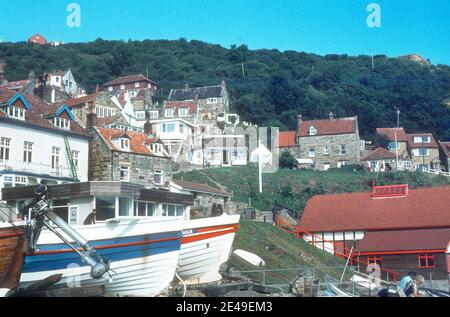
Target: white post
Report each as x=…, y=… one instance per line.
x=396, y=151
x=260, y=167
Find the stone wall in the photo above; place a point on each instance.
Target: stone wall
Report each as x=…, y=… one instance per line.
x=432, y=158
x=104, y=165
x=351, y=141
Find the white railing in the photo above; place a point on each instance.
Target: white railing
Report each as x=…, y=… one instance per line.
x=436, y=172
x=35, y=168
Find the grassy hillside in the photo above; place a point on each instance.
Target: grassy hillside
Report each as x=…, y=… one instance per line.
x=277, y=86
x=295, y=187
x=280, y=250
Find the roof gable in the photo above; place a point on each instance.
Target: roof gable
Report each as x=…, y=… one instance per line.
x=328, y=126
x=412, y=144
x=421, y=208
x=393, y=133
x=379, y=154
x=64, y=109
x=19, y=96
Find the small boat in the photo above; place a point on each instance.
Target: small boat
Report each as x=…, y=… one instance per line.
x=144, y=255
x=12, y=251
x=205, y=246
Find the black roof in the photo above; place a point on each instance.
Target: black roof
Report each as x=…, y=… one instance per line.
x=201, y=92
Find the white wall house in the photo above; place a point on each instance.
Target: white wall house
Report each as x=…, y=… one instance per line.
x=177, y=135
x=32, y=142
x=66, y=81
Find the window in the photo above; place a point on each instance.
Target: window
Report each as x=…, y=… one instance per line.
x=342, y=163
x=124, y=144
x=312, y=130
x=422, y=139
x=159, y=177
x=181, y=128
x=125, y=206
x=156, y=148
x=172, y=210
x=153, y=114
x=8, y=181
x=211, y=100
x=61, y=123
x=426, y=261
x=326, y=166
x=393, y=146
x=140, y=114
x=17, y=113
x=421, y=152
x=169, y=113
x=5, y=149
x=183, y=112
x=105, y=207
x=122, y=87
x=375, y=259
x=124, y=173
x=27, y=151
x=149, y=85
x=110, y=88
x=374, y=165
x=57, y=79
x=326, y=150
x=75, y=156
x=312, y=152
x=20, y=181
x=144, y=209
x=137, y=85
x=169, y=127
x=343, y=149
x=55, y=157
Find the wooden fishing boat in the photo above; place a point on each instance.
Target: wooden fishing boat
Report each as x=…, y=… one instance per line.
x=12, y=251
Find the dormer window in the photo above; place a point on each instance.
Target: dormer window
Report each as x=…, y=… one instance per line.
x=137, y=85
x=156, y=148
x=61, y=123
x=312, y=130
x=422, y=139
x=16, y=113
x=124, y=144
x=183, y=112
x=169, y=113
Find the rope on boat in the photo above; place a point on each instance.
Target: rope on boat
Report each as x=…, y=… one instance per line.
x=182, y=282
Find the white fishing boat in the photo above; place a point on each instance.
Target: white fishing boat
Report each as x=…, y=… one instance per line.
x=205, y=246
x=144, y=254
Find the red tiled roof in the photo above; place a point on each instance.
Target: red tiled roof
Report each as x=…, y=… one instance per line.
x=138, y=141
x=15, y=84
x=78, y=101
x=176, y=105
x=446, y=147
x=421, y=208
x=379, y=154
x=329, y=127
x=432, y=144
x=404, y=240
x=287, y=139
x=200, y=187
x=389, y=133
x=38, y=110
x=128, y=80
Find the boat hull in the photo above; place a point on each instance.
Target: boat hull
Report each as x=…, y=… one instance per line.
x=205, y=246
x=12, y=251
x=144, y=254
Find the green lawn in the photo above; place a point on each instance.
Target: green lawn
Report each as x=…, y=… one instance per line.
x=295, y=187
x=280, y=250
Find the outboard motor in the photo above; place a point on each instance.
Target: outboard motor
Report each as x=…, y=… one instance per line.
x=40, y=214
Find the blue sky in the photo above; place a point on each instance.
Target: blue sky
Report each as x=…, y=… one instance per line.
x=317, y=26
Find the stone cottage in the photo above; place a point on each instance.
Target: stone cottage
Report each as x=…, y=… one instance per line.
x=330, y=143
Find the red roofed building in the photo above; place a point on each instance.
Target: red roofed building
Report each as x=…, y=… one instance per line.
x=336, y=222
x=132, y=84
x=424, y=151
x=129, y=156
x=330, y=143
x=37, y=39
x=186, y=110
x=287, y=139
x=380, y=160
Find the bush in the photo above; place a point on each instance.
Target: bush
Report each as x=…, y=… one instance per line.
x=287, y=160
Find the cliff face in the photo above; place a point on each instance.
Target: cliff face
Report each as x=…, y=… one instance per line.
x=416, y=58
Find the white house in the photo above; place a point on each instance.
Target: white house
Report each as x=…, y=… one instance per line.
x=65, y=81
x=37, y=141
x=177, y=135
x=220, y=150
